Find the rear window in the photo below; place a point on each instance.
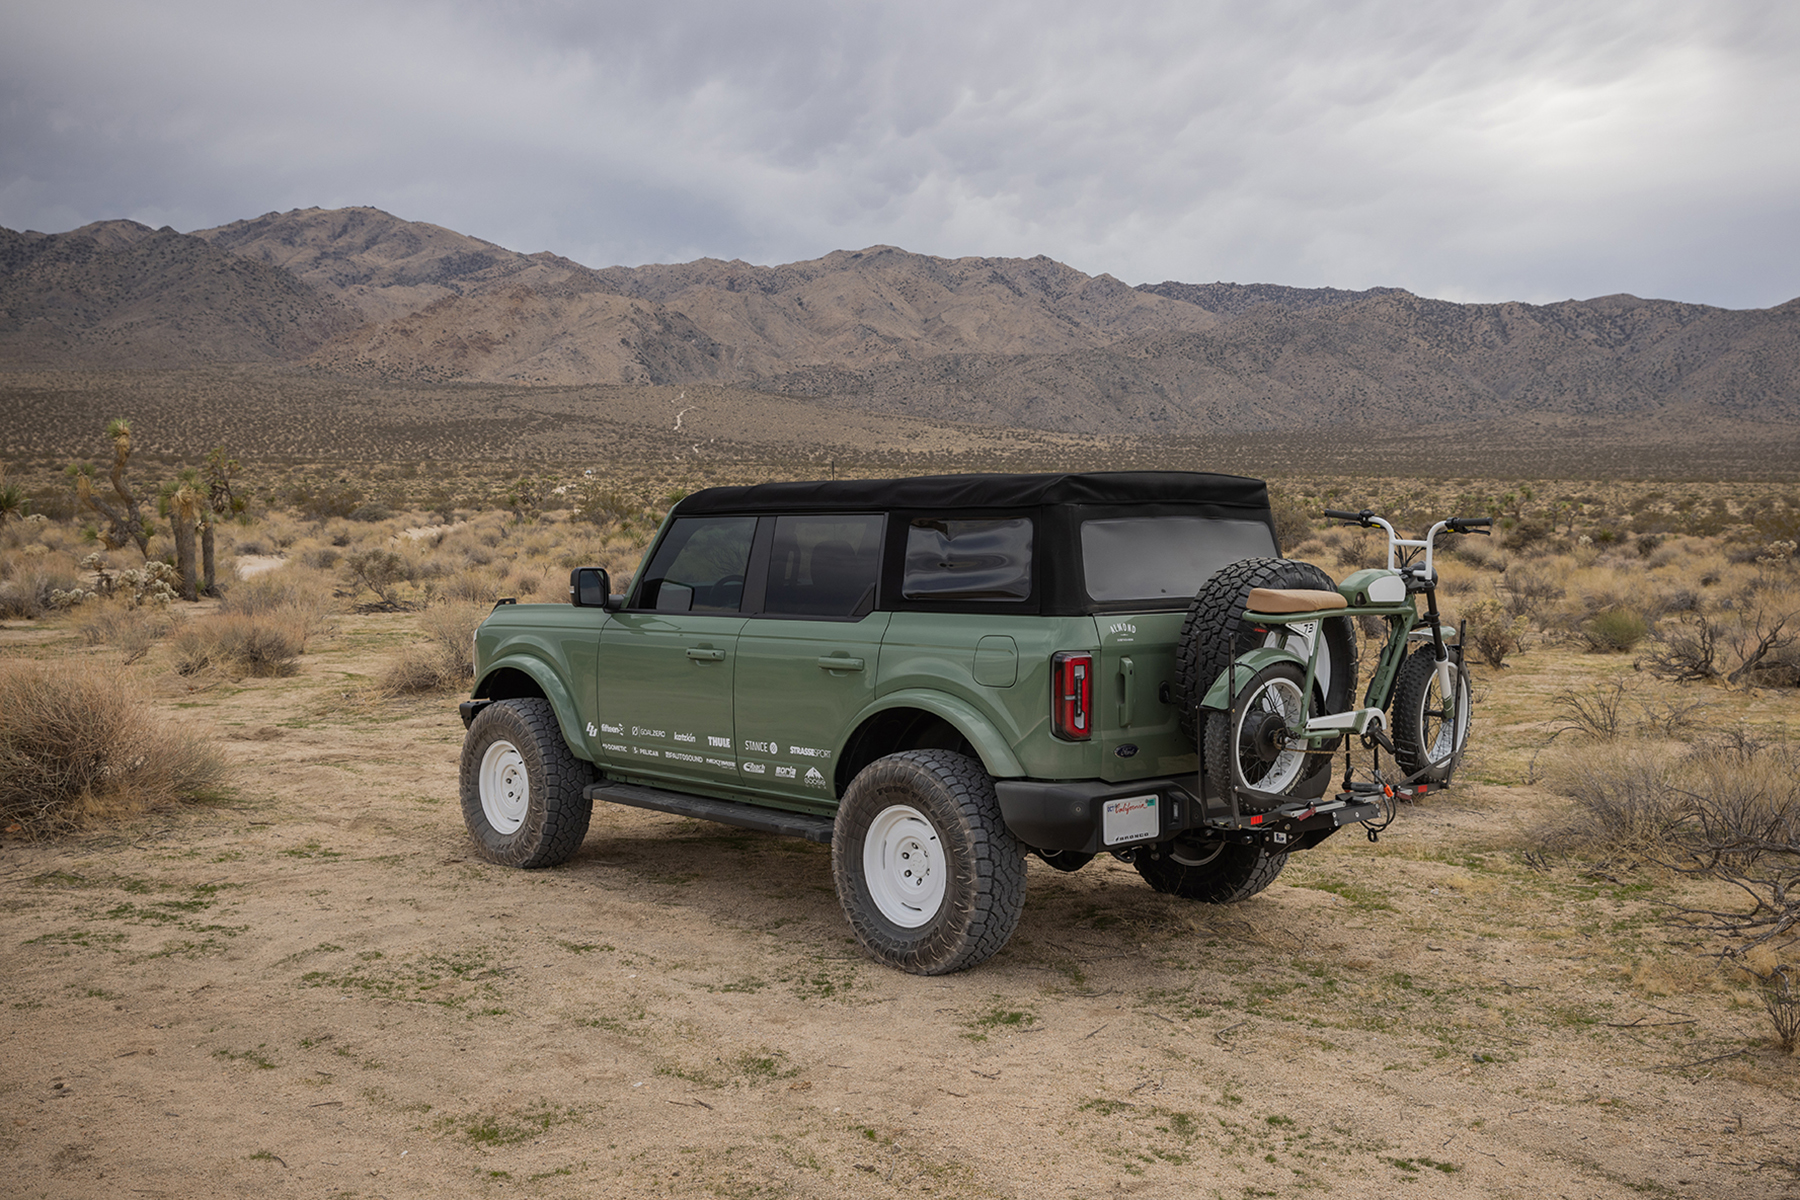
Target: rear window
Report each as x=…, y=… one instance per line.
x=968, y=560
x=1161, y=558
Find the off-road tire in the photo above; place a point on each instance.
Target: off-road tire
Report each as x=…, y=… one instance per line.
x=518, y=742
x=981, y=865
x=1214, y=871
x=1229, y=738
x=1424, y=747
x=1215, y=632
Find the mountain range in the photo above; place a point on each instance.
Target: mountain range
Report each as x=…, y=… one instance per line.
x=1033, y=343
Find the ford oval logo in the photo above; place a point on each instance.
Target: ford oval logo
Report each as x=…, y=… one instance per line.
x=1126, y=751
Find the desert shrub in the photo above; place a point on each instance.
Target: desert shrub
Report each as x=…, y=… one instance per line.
x=1294, y=520
x=1492, y=632
x=1528, y=592
x=1622, y=804
x=240, y=644
x=321, y=558
x=445, y=657
x=129, y=629
x=1614, y=630
x=471, y=587
x=76, y=746
x=31, y=590
x=381, y=571
x=155, y=582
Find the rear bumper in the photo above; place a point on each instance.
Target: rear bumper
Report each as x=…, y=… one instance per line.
x=1073, y=815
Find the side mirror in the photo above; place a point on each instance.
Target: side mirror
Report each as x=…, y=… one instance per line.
x=589, y=587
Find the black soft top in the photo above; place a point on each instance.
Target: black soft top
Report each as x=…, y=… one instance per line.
x=966, y=492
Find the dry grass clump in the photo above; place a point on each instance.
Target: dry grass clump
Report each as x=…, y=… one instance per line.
x=238, y=643
x=446, y=658
x=131, y=629
x=29, y=584
x=289, y=592
x=76, y=747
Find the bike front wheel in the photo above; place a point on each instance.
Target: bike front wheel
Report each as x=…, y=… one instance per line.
x=1253, y=742
x=1431, y=726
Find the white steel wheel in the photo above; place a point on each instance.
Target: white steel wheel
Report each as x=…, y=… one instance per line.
x=505, y=787
x=903, y=861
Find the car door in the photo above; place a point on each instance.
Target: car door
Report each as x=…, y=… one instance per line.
x=807, y=656
x=668, y=659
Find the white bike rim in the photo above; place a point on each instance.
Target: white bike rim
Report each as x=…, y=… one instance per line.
x=904, y=864
x=505, y=787
x=1450, y=734
x=1284, y=695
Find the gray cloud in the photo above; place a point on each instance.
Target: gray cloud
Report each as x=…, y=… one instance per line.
x=1513, y=150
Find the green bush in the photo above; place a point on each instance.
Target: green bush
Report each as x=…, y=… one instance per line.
x=1615, y=630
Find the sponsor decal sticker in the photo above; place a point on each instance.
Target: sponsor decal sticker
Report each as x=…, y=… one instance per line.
x=760, y=747
x=809, y=752
x=718, y=743
x=614, y=729
x=755, y=769
x=725, y=764
x=813, y=778
x=684, y=737
x=646, y=753
x=592, y=729
x=615, y=747
x=640, y=731
x=785, y=772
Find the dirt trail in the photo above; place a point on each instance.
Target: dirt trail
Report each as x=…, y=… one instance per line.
x=317, y=990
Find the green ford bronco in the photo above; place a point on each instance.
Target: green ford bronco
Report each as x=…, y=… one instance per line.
x=936, y=676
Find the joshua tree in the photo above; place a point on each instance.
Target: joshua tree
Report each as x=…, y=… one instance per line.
x=125, y=523
x=184, y=503
x=221, y=501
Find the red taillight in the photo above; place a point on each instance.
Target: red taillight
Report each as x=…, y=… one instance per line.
x=1072, y=695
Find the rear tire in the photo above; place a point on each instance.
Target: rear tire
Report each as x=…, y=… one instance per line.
x=926, y=869
x=1426, y=745
x=1211, y=870
x=1246, y=745
x=1215, y=634
x=522, y=786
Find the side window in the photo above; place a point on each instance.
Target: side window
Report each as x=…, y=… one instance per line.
x=968, y=560
x=700, y=566
x=824, y=566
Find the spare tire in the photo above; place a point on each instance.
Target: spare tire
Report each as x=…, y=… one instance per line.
x=1215, y=633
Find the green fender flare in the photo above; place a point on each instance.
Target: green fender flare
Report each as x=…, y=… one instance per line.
x=1247, y=664
x=996, y=754
x=549, y=680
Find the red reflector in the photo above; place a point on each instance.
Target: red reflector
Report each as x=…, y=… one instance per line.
x=1422, y=789
x=1253, y=820
x=1072, y=695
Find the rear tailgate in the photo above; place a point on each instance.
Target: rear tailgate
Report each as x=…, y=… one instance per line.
x=1139, y=731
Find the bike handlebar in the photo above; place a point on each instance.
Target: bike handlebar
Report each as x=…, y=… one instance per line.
x=1470, y=525
x=1361, y=518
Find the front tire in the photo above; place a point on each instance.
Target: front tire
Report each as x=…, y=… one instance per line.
x=1249, y=743
x=1429, y=737
x=522, y=786
x=929, y=876
x=1211, y=870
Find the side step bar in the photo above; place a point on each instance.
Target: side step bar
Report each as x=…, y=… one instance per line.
x=725, y=812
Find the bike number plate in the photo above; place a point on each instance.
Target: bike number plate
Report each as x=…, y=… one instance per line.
x=1129, y=819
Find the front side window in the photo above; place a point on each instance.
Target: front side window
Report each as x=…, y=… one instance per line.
x=968, y=560
x=1162, y=558
x=700, y=566
x=824, y=566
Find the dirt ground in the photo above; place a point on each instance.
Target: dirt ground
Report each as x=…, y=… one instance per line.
x=315, y=989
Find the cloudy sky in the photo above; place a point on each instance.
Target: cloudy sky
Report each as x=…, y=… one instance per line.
x=1513, y=149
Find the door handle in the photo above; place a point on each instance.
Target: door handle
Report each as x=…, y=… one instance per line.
x=702, y=655
x=1128, y=678
x=837, y=663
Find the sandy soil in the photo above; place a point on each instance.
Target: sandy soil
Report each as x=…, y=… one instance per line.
x=316, y=989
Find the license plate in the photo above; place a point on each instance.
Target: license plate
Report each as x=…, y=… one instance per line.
x=1129, y=819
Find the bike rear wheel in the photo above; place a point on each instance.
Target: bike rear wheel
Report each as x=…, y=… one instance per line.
x=1430, y=734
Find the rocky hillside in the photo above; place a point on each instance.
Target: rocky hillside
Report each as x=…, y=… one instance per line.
x=1019, y=342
